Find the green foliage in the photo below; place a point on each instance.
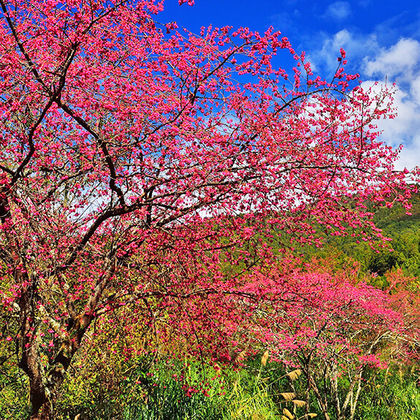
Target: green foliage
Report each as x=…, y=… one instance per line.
x=172, y=389
x=404, y=230
x=403, y=251
x=146, y=388
x=256, y=391
x=14, y=401
x=390, y=394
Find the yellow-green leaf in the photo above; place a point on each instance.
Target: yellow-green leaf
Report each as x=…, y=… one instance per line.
x=294, y=374
x=287, y=413
x=241, y=356
x=264, y=358
x=288, y=396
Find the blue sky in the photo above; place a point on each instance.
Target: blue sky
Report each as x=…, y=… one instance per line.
x=382, y=40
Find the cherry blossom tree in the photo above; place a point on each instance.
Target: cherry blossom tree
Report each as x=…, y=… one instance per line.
x=333, y=327
x=134, y=156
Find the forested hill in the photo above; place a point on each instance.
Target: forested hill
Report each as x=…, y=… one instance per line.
x=396, y=219
x=402, y=228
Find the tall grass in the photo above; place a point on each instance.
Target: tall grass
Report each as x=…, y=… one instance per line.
x=164, y=388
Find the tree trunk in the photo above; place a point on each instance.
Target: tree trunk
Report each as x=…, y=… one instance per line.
x=45, y=381
x=323, y=403
x=356, y=397
x=40, y=403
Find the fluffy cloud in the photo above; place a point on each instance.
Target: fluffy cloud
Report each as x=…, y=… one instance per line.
x=400, y=59
x=415, y=89
x=356, y=46
x=409, y=157
x=338, y=10
x=399, y=64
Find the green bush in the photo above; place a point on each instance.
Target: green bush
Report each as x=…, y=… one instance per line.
x=390, y=394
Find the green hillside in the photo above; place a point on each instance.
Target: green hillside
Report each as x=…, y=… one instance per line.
x=404, y=247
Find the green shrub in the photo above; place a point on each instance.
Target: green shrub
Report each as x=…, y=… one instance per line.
x=390, y=394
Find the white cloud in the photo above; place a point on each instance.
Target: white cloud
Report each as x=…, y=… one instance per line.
x=399, y=59
x=415, y=89
x=338, y=10
x=410, y=155
x=399, y=64
x=403, y=126
x=355, y=45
